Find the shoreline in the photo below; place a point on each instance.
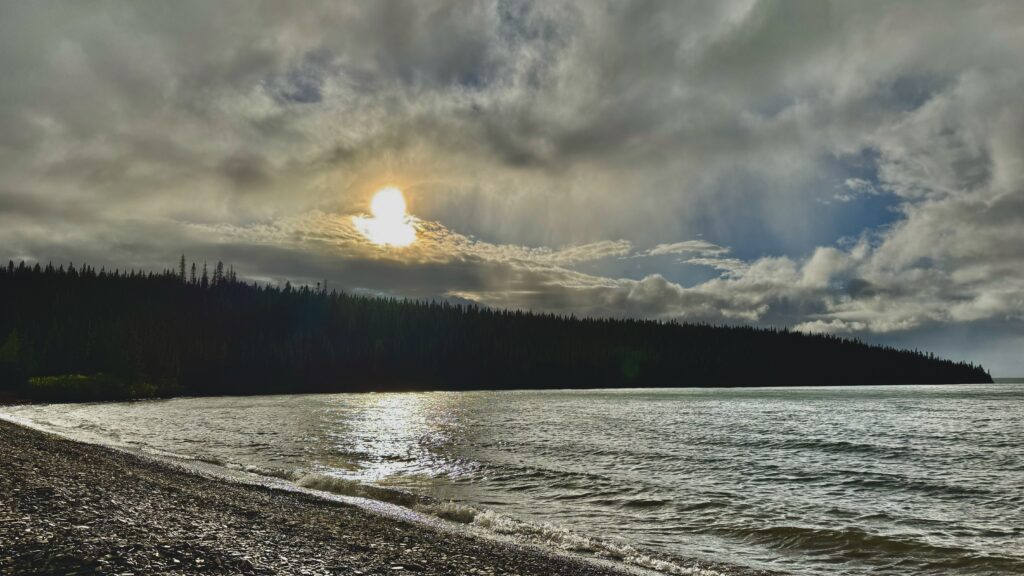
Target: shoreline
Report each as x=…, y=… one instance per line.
x=12, y=398
x=74, y=507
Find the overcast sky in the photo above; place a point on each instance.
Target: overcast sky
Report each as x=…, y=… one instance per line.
x=849, y=167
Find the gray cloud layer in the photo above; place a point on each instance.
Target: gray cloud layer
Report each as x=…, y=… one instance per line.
x=705, y=161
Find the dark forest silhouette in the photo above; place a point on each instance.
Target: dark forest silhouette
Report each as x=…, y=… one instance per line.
x=78, y=333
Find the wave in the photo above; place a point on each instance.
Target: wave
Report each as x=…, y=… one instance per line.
x=562, y=538
x=451, y=511
x=348, y=487
x=844, y=541
x=281, y=473
x=544, y=534
x=859, y=545
x=816, y=444
x=934, y=488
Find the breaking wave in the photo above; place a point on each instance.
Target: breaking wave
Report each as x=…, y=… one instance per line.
x=544, y=534
x=347, y=487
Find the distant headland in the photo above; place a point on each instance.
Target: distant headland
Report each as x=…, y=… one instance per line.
x=70, y=333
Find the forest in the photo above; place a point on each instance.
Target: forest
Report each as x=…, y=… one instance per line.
x=70, y=333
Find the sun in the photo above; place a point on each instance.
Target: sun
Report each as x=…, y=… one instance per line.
x=390, y=225
x=388, y=204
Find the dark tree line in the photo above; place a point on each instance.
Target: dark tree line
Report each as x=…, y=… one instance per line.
x=190, y=331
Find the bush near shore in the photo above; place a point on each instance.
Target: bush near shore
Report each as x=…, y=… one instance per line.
x=89, y=388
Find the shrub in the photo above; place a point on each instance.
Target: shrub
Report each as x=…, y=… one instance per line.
x=84, y=388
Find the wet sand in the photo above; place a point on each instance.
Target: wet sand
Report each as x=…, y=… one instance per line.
x=73, y=508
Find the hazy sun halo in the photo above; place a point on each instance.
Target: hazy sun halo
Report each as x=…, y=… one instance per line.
x=389, y=226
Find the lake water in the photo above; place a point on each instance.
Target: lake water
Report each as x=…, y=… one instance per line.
x=871, y=480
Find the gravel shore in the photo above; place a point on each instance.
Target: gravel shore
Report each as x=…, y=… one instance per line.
x=72, y=508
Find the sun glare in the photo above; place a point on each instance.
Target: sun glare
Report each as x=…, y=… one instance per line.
x=390, y=225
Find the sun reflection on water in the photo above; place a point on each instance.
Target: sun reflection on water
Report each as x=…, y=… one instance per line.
x=397, y=438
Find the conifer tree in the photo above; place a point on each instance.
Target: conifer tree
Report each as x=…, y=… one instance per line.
x=140, y=326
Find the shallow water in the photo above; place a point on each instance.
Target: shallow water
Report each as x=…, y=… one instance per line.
x=879, y=480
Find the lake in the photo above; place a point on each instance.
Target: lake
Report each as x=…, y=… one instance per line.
x=818, y=480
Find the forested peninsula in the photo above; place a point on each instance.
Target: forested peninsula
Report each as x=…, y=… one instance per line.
x=70, y=333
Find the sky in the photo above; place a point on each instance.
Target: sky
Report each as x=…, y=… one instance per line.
x=855, y=168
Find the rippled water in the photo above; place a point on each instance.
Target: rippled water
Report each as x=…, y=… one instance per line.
x=880, y=480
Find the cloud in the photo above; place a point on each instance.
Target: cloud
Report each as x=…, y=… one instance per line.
x=728, y=265
x=855, y=188
x=688, y=247
x=834, y=326
x=710, y=162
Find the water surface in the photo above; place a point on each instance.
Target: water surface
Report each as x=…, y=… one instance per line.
x=879, y=480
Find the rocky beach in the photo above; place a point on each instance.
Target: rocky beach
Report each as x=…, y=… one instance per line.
x=74, y=508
